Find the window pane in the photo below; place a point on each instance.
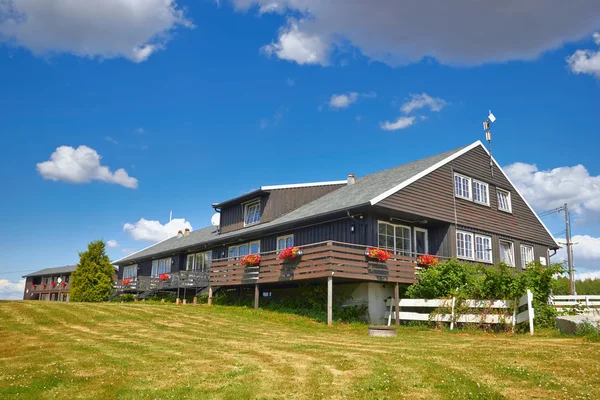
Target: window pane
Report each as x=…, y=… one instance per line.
x=506, y=253
x=243, y=250
x=255, y=248
x=281, y=244
x=289, y=242
x=252, y=213
x=190, y=262
x=382, y=228
x=168, y=265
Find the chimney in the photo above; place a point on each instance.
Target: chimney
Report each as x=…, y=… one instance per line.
x=179, y=234
x=351, y=179
x=187, y=232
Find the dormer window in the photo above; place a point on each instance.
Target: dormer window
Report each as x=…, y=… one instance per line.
x=252, y=213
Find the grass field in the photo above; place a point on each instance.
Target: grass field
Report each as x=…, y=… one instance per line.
x=139, y=351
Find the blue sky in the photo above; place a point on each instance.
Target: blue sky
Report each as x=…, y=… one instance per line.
x=201, y=101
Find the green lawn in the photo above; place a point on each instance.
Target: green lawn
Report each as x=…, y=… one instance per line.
x=139, y=351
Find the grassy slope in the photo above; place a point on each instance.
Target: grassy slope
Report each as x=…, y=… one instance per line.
x=136, y=351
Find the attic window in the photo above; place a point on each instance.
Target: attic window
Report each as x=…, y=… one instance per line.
x=252, y=213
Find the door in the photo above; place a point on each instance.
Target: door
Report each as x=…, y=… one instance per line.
x=421, y=241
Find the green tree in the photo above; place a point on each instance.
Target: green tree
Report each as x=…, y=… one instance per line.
x=92, y=281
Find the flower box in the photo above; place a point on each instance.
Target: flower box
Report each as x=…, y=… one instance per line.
x=290, y=254
x=251, y=260
x=53, y=284
x=126, y=281
x=163, y=277
x=427, y=260
x=378, y=254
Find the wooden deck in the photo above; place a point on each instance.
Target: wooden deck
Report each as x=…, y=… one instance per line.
x=319, y=260
x=177, y=280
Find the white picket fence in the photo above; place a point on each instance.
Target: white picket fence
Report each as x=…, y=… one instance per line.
x=588, y=304
x=474, y=316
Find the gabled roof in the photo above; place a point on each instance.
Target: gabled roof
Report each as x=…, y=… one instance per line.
x=266, y=189
x=53, y=271
x=368, y=190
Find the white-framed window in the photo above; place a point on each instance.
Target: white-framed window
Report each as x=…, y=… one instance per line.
x=244, y=249
x=462, y=186
x=483, y=248
x=199, y=261
x=464, y=245
x=130, y=271
x=504, y=200
x=421, y=241
x=252, y=213
x=527, y=255
x=162, y=266
x=394, y=238
x=507, y=253
x=283, y=242
x=481, y=192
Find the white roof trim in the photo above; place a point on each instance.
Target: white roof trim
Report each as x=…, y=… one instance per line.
x=145, y=248
x=415, y=178
x=299, y=185
x=523, y=197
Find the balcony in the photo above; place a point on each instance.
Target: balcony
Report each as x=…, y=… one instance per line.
x=59, y=287
x=318, y=260
x=177, y=280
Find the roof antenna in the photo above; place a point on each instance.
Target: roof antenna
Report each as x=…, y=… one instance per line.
x=488, y=136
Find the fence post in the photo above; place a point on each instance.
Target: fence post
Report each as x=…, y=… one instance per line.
x=530, y=310
x=210, y=295
x=195, y=300
x=452, y=315
x=514, y=322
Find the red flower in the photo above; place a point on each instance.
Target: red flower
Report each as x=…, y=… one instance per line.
x=53, y=284
x=163, y=277
x=251, y=260
x=428, y=260
x=44, y=284
x=34, y=285
x=379, y=254
x=63, y=283
x=126, y=281
x=291, y=253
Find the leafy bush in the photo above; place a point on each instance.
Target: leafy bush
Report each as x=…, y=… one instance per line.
x=473, y=281
x=589, y=331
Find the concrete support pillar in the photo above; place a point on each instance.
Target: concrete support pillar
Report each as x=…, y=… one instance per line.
x=256, y=296
x=397, y=302
x=210, y=295
x=178, y=301
x=195, y=300
x=330, y=300
x=162, y=300
x=184, y=301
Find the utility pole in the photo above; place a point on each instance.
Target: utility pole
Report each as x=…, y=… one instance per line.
x=569, y=253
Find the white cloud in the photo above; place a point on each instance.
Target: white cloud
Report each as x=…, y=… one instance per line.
x=419, y=101
x=133, y=29
x=111, y=140
x=140, y=130
x=400, y=123
x=550, y=189
x=461, y=32
x=274, y=119
x=586, y=61
x=586, y=255
x=154, y=231
x=112, y=243
x=82, y=165
x=11, y=290
x=343, y=100
x=298, y=46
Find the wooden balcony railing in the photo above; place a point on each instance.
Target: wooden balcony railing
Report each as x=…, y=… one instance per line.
x=342, y=260
x=56, y=288
x=177, y=280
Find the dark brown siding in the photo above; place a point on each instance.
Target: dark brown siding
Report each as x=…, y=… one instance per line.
x=433, y=197
x=275, y=204
x=539, y=251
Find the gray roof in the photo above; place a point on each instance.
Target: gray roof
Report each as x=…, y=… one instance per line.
x=346, y=197
x=53, y=271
